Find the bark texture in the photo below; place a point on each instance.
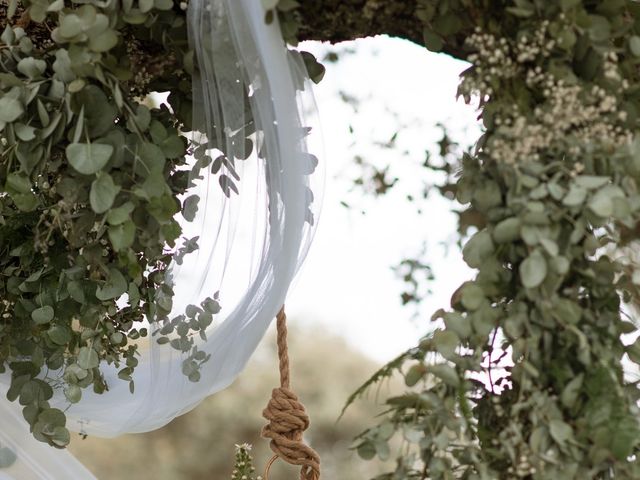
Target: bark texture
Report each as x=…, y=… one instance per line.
x=342, y=20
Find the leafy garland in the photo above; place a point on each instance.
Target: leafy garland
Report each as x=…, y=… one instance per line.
x=525, y=378
x=91, y=181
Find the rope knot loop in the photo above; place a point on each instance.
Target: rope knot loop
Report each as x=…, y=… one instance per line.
x=286, y=415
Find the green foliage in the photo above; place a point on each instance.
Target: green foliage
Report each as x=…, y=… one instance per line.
x=524, y=377
x=90, y=184
x=92, y=177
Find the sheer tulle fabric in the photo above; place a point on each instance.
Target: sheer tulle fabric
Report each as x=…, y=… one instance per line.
x=251, y=242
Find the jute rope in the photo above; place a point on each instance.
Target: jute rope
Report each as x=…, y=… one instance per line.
x=287, y=418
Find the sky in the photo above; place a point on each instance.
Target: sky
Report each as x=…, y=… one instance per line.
x=347, y=283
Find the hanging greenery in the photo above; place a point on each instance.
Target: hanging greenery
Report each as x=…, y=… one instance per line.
x=524, y=377
x=91, y=178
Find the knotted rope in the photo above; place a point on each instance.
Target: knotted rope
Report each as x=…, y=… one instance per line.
x=287, y=418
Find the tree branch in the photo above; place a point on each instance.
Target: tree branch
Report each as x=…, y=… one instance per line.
x=343, y=20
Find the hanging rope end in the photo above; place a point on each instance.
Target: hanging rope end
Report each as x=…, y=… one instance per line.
x=288, y=418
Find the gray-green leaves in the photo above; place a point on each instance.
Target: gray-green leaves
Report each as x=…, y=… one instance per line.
x=103, y=193
x=90, y=185
x=115, y=286
x=42, y=315
x=479, y=247
x=533, y=270
x=88, y=358
x=10, y=109
x=88, y=158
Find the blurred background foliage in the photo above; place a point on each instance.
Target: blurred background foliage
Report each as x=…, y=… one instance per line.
x=200, y=445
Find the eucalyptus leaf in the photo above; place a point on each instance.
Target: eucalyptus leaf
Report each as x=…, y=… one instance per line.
x=533, y=270
x=73, y=393
x=114, y=287
x=42, y=315
x=10, y=109
x=123, y=235
x=88, y=158
x=446, y=343
x=478, y=248
x=88, y=358
x=103, y=193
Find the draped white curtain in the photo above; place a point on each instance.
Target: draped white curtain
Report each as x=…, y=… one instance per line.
x=251, y=242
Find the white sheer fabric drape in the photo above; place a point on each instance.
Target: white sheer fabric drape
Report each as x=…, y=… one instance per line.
x=251, y=243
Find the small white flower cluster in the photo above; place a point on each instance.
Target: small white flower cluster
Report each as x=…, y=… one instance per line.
x=528, y=49
x=492, y=60
x=497, y=60
x=244, y=469
x=7, y=308
x=519, y=450
x=523, y=468
x=141, y=78
x=569, y=116
x=611, y=71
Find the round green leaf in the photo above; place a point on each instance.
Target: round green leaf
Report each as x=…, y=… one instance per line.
x=88, y=158
x=533, y=270
x=472, y=296
x=507, y=230
x=119, y=215
x=432, y=40
x=60, y=437
x=73, y=393
x=123, y=235
x=446, y=373
x=60, y=335
x=446, y=342
x=634, y=45
x=88, y=358
x=560, y=431
x=42, y=315
x=103, y=193
x=477, y=249
x=70, y=25
x=115, y=286
x=52, y=416
x=31, y=67
x=575, y=196
x=104, y=41
x=10, y=109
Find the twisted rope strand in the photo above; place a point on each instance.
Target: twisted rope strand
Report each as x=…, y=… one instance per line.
x=287, y=418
